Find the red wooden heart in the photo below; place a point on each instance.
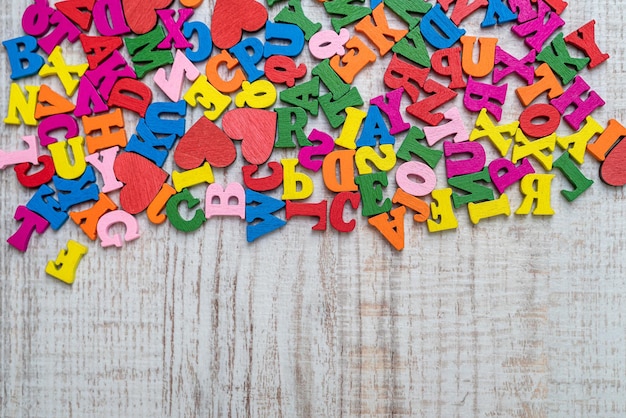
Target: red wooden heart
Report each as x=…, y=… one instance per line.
x=613, y=169
x=141, y=15
x=232, y=17
x=257, y=130
x=204, y=141
x=142, y=181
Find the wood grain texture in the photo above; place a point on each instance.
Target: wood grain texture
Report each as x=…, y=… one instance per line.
x=515, y=317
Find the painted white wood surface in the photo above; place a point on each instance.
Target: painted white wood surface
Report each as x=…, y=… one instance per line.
x=515, y=317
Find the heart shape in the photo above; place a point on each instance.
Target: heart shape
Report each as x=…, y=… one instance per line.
x=142, y=181
x=204, y=141
x=141, y=16
x=231, y=17
x=613, y=169
x=256, y=128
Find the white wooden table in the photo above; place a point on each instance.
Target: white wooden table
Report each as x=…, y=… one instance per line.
x=514, y=317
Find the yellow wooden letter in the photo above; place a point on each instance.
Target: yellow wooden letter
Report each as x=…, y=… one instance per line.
x=291, y=179
x=63, y=164
x=441, y=209
x=20, y=105
x=540, y=194
x=64, y=267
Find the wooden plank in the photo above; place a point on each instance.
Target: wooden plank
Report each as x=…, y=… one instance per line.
x=518, y=317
